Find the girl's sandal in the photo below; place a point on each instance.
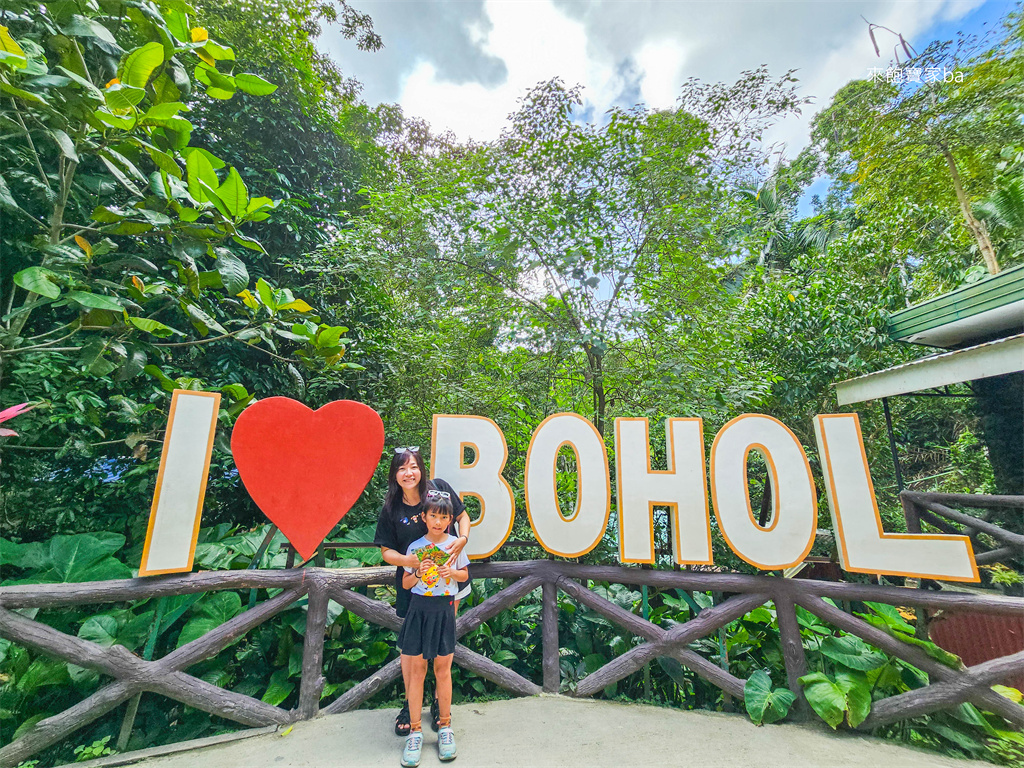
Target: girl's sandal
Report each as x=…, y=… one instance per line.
x=435, y=715
x=402, y=721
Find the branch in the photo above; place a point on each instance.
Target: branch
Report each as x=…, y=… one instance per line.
x=44, y=347
x=500, y=281
x=90, y=445
x=31, y=145
x=230, y=335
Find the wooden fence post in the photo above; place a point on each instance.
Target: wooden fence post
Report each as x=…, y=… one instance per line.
x=552, y=669
x=792, y=651
x=313, y=652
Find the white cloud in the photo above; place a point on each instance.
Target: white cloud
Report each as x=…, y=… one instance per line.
x=462, y=64
x=535, y=41
x=661, y=62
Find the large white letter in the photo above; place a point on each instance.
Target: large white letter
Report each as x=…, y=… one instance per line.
x=863, y=546
x=482, y=479
x=576, y=535
x=180, y=484
x=682, y=488
x=788, y=539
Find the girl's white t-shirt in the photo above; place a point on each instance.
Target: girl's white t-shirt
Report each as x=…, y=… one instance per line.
x=430, y=584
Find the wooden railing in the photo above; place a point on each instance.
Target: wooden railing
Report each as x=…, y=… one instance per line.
x=934, y=509
x=744, y=593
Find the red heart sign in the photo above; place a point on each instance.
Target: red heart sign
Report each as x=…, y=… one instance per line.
x=305, y=468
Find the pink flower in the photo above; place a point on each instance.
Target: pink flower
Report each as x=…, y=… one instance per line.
x=9, y=413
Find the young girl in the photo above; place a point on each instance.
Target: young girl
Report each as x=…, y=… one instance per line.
x=429, y=628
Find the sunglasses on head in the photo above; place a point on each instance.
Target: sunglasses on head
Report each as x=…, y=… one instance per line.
x=407, y=449
x=432, y=494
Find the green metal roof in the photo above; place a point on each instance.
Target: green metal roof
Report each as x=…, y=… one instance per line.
x=979, y=311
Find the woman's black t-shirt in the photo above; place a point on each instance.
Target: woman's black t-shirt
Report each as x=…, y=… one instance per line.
x=399, y=528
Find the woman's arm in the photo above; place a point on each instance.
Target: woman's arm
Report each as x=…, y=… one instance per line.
x=394, y=557
x=462, y=524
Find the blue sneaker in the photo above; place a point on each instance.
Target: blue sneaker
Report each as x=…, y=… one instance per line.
x=413, y=748
x=446, y=744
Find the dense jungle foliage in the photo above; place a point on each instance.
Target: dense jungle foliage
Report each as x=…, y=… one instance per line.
x=192, y=196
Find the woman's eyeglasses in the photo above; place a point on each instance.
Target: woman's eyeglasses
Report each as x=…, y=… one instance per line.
x=432, y=494
x=407, y=449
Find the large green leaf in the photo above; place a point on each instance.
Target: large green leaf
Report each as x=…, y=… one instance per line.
x=80, y=26
x=84, y=557
x=199, y=169
x=67, y=146
x=121, y=96
x=177, y=23
x=11, y=54
x=101, y=630
x=96, y=301
x=234, y=193
x=852, y=652
x=34, y=555
x=266, y=293
x=279, y=689
x=857, y=690
x=825, y=698
x=164, y=111
x=154, y=327
x=38, y=280
x=7, y=200
x=212, y=612
x=254, y=84
x=140, y=64
x=41, y=673
x=232, y=271
x=765, y=705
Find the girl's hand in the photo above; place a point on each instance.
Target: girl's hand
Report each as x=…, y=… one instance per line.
x=421, y=569
x=444, y=571
x=456, y=547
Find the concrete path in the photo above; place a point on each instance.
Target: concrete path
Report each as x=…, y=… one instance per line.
x=555, y=731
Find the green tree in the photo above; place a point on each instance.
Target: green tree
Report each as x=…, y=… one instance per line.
x=924, y=150
x=124, y=241
x=591, y=237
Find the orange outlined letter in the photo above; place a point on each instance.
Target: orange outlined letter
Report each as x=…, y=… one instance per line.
x=790, y=535
x=577, y=535
x=482, y=479
x=181, y=483
x=863, y=546
x=682, y=488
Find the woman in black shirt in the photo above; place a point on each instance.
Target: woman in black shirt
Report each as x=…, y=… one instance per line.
x=400, y=524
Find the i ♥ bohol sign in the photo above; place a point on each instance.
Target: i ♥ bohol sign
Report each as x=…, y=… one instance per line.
x=306, y=468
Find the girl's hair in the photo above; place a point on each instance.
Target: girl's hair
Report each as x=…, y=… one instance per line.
x=438, y=504
x=394, y=494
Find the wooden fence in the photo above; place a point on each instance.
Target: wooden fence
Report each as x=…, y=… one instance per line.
x=167, y=676
x=933, y=508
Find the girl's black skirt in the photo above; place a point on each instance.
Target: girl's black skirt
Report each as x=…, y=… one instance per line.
x=429, y=628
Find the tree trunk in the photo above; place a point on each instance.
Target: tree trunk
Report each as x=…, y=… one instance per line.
x=597, y=387
x=977, y=228
x=1000, y=405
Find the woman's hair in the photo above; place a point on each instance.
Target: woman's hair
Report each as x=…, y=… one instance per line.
x=437, y=504
x=394, y=494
